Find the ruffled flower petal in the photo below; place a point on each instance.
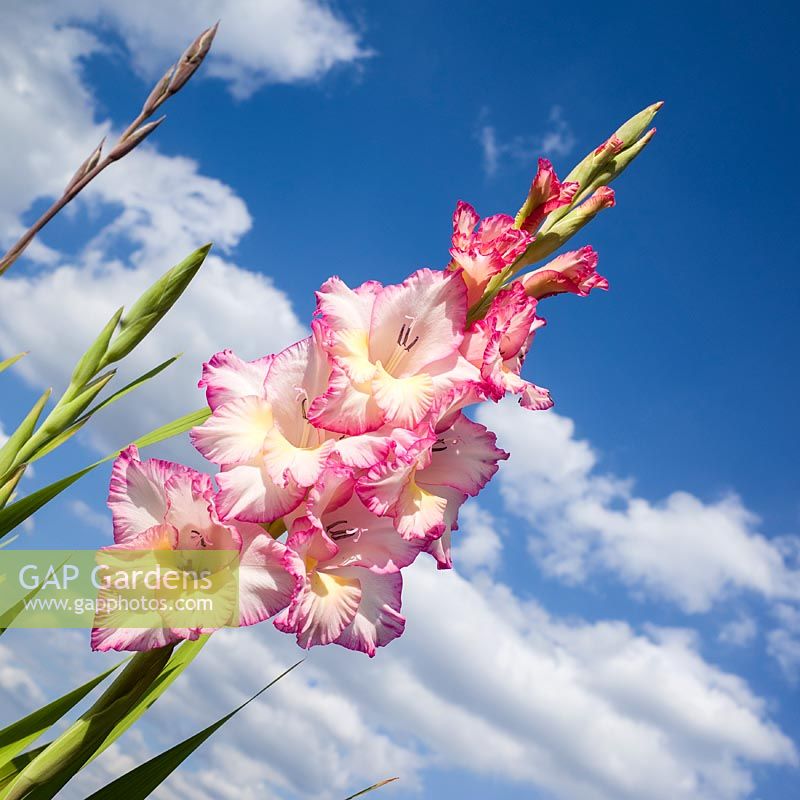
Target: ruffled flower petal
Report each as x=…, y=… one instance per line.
x=404, y=401
x=265, y=585
x=226, y=376
x=574, y=272
x=324, y=606
x=464, y=457
x=364, y=539
x=285, y=462
x=378, y=619
x=346, y=407
x=483, y=253
x=235, y=432
x=136, y=492
x=418, y=322
x=247, y=492
x=339, y=307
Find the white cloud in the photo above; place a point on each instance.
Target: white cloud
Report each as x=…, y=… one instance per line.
x=682, y=548
x=279, y=41
x=739, y=632
x=482, y=681
x=90, y=516
x=478, y=545
x=48, y=113
x=492, y=151
x=783, y=643
x=784, y=647
x=16, y=681
x=557, y=139
x=164, y=208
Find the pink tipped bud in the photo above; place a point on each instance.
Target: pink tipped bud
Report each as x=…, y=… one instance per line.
x=554, y=237
x=192, y=58
x=601, y=199
x=134, y=139
x=574, y=272
x=607, y=150
x=546, y=194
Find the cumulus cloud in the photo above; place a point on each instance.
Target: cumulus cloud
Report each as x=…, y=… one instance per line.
x=15, y=680
x=556, y=139
x=258, y=42
x=162, y=207
x=739, y=632
x=90, y=516
x=684, y=549
x=478, y=545
x=783, y=642
x=484, y=681
x=49, y=123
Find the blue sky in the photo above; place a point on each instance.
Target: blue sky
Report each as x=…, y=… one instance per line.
x=350, y=160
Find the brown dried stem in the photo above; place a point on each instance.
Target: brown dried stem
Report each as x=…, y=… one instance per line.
x=133, y=135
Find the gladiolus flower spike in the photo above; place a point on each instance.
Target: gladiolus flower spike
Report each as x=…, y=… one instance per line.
x=347, y=456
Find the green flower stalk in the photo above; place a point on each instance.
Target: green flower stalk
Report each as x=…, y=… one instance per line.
x=53, y=767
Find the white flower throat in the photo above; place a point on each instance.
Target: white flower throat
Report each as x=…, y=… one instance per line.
x=405, y=343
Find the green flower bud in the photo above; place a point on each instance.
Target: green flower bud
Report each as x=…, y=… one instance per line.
x=152, y=305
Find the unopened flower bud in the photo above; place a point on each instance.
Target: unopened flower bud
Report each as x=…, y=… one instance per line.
x=88, y=165
x=607, y=161
x=630, y=131
x=546, y=194
x=602, y=198
x=192, y=58
x=607, y=150
x=617, y=165
x=159, y=93
x=134, y=139
x=574, y=272
x=548, y=242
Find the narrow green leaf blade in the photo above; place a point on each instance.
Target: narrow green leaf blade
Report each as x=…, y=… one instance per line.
x=174, y=428
x=178, y=662
x=12, y=768
x=16, y=737
x=24, y=431
x=140, y=782
x=129, y=388
x=19, y=511
x=16, y=513
x=9, y=362
x=10, y=614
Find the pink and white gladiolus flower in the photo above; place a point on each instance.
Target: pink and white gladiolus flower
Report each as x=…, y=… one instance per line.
x=347, y=561
x=395, y=349
x=348, y=454
x=499, y=343
x=423, y=489
x=158, y=505
x=486, y=249
x=261, y=436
